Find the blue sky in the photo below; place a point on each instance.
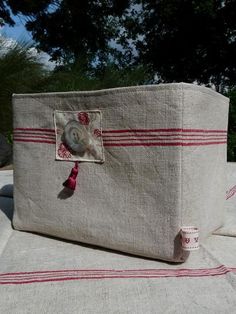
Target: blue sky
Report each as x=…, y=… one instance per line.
x=18, y=32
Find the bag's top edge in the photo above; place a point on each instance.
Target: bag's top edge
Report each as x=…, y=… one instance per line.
x=124, y=90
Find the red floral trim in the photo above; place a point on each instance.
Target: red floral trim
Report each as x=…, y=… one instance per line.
x=97, y=132
x=63, y=152
x=83, y=118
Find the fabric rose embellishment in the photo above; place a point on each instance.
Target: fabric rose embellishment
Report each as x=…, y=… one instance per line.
x=83, y=118
x=79, y=136
x=97, y=133
x=63, y=152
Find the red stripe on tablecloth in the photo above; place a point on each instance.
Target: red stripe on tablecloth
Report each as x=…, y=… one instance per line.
x=115, y=275
x=107, y=270
x=84, y=272
x=95, y=274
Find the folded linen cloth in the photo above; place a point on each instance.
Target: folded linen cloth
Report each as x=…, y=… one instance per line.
x=72, y=278
x=78, y=279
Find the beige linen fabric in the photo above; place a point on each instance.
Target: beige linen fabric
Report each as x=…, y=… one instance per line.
x=229, y=226
x=186, y=293
x=165, y=152
x=43, y=275
x=6, y=212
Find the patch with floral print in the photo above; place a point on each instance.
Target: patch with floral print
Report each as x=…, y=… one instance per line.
x=79, y=136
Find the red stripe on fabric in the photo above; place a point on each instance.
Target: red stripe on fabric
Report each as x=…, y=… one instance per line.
x=163, y=144
x=21, y=133
x=152, y=137
x=123, y=274
x=35, y=129
x=164, y=139
x=103, y=277
x=231, y=192
x=34, y=136
x=163, y=135
x=134, y=130
x=129, y=144
x=228, y=196
x=108, y=270
x=164, y=130
x=112, y=275
x=158, y=272
x=33, y=141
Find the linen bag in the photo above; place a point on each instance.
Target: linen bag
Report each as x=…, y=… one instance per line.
x=148, y=160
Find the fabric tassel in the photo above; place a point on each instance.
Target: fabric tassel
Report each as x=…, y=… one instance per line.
x=70, y=183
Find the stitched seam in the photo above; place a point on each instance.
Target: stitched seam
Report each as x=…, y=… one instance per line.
x=181, y=183
x=122, y=91
x=181, y=164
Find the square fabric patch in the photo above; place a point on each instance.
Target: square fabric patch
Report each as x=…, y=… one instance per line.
x=79, y=136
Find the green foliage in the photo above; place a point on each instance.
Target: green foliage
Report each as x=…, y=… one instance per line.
x=68, y=29
x=173, y=40
x=20, y=73
x=5, y=16
x=178, y=40
x=75, y=77
x=232, y=126
x=187, y=40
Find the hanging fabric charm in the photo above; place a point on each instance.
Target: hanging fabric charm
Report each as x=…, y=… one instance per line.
x=70, y=183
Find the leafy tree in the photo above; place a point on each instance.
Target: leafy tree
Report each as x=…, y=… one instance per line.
x=68, y=29
x=5, y=16
x=186, y=40
x=21, y=72
x=179, y=40
x=232, y=126
x=76, y=77
x=171, y=40
x=25, y=7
